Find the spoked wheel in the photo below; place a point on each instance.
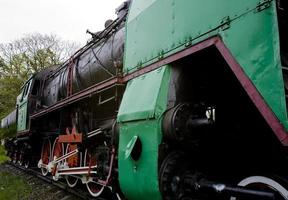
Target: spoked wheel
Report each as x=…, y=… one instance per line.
x=71, y=181
x=26, y=156
x=93, y=188
x=264, y=184
x=72, y=161
x=15, y=159
x=57, y=151
x=26, y=164
x=173, y=171
x=22, y=157
x=20, y=160
x=45, y=155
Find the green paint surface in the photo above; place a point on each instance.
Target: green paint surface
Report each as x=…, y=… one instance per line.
x=141, y=97
x=22, y=104
x=143, y=104
x=159, y=28
x=22, y=115
x=254, y=41
x=164, y=27
x=139, y=179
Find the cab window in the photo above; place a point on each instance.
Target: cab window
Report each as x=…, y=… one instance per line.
x=25, y=90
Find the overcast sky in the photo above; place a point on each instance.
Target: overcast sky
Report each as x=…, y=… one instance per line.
x=68, y=19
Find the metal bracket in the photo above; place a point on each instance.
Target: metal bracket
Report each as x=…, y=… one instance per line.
x=225, y=23
x=263, y=4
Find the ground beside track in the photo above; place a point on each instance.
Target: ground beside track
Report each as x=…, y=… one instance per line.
x=16, y=184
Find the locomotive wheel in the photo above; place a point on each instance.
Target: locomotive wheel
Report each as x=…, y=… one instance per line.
x=22, y=156
x=57, y=151
x=72, y=161
x=266, y=184
x=71, y=181
x=93, y=188
x=172, y=172
x=14, y=159
x=26, y=164
x=45, y=155
x=20, y=160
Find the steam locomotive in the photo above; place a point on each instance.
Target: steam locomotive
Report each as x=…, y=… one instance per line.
x=179, y=100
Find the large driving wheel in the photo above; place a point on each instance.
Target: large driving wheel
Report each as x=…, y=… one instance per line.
x=57, y=151
x=72, y=162
x=173, y=171
x=264, y=184
x=45, y=155
x=95, y=189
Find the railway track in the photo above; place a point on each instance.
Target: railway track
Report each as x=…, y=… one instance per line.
x=55, y=190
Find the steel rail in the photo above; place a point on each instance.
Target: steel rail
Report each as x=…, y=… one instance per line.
x=63, y=186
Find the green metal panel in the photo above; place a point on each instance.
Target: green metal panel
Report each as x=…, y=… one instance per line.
x=254, y=41
x=22, y=104
x=142, y=106
x=164, y=27
x=22, y=116
x=141, y=95
x=161, y=27
x=139, y=179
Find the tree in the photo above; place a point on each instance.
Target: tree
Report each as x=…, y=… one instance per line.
x=23, y=57
x=33, y=53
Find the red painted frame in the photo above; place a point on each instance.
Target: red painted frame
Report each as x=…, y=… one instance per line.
x=78, y=96
x=71, y=138
x=246, y=83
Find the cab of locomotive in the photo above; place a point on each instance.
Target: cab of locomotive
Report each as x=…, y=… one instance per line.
x=22, y=105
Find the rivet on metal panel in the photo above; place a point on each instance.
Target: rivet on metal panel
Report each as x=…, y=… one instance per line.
x=139, y=64
x=161, y=55
x=263, y=4
x=225, y=23
x=189, y=42
x=173, y=16
x=173, y=3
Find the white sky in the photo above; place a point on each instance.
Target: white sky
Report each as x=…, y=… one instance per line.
x=68, y=19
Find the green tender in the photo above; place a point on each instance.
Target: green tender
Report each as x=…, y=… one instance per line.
x=159, y=28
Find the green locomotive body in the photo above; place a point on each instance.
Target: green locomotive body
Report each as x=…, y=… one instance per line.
x=201, y=81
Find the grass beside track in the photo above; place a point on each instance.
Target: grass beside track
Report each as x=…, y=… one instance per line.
x=13, y=187
x=3, y=156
